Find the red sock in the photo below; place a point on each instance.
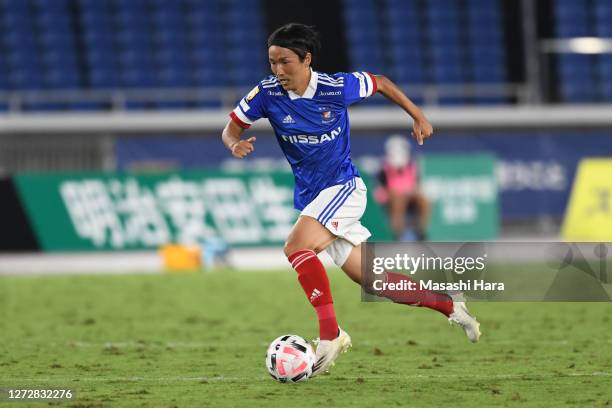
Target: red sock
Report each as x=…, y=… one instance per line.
x=423, y=298
x=313, y=278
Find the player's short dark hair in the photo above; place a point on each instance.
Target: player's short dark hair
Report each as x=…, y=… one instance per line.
x=299, y=38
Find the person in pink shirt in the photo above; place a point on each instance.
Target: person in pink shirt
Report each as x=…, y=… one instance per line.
x=399, y=190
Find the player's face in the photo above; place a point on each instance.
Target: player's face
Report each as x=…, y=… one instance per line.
x=286, y=65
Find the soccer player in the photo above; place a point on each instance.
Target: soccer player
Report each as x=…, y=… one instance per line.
x=308, y=112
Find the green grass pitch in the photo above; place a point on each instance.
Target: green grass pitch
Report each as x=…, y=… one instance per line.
x=199, y=340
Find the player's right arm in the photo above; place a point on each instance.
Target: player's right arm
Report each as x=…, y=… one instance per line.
x=249, y=109
x=231, y=139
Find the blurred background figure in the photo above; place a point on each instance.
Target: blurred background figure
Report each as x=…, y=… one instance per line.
x=399, y=190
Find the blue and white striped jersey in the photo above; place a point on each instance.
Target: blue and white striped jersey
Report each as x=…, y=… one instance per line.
x=312, y=129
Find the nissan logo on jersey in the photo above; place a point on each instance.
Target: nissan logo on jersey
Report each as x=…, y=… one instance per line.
x=312, y=139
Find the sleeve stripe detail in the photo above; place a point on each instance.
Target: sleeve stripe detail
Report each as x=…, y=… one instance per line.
x=245, y=107
x=336, y=84
x=242, y=116
x=329, y=78
x=362, y=84
x=372, y=83
x=369, y=82
x=237, y=120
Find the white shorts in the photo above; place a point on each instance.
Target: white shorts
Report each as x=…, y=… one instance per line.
x=340, y=208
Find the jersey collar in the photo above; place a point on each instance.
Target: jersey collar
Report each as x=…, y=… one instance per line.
x=310, y=90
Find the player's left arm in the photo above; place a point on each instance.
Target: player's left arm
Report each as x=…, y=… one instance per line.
x=421, y=128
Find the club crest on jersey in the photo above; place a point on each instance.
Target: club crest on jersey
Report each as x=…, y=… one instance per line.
x=327, y=114
x=312, y=139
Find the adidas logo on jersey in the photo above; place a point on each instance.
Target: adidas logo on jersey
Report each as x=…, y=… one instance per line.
x=288, y=119
x=315, y=294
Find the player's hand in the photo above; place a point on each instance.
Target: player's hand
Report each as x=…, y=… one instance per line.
x=243, y=147
x=421, y=129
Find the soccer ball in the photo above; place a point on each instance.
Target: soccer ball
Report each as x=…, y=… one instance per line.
x=290, y=359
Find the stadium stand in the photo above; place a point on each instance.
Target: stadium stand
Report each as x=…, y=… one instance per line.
x=584, y=78
x=99, y=47
x=129, y=44
x=439, y=42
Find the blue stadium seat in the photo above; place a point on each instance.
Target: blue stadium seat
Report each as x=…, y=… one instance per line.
x=487, y=56
x=575, y=67
x=133, y=6
x=138, y=105
x=94, y=5
x=578, y=92
x=104, y=78
x=406, y=8
x=88, y=106
x=403, y=54
x=207, y=104
x=484, y=11
x=172, y=57
x=606, y=88
x=172, y=77
x=405, y=33
x=26, y=78
x=172, y=105
x=569, y=30
x=453, y=101
x=446, y=54
x=209, y=6
x=368, y=55
x=442, y=11
x=62, y=59
x=604, y=68
x=568, y=8
x=243, y=76
x=490, y=100
x=62, y=79
x=209, y=76
x=4, y=84
x=23, y=58
x=410, y=75
x=603, y=10
x=139, y=77
x=15, y=41
x=486, y=35
x=43, y=107
x=172, y=38
x=448, y=74
x=571, y=18
x=489, y=73
x=97, y=22
x=101, y=58
x=200, y=19
x=604, y=27
x=207, y=38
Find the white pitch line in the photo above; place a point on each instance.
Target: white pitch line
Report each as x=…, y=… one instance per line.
x=526, y=376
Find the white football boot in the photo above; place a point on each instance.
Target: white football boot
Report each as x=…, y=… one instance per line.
x=328, y=351
x=463, y=318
